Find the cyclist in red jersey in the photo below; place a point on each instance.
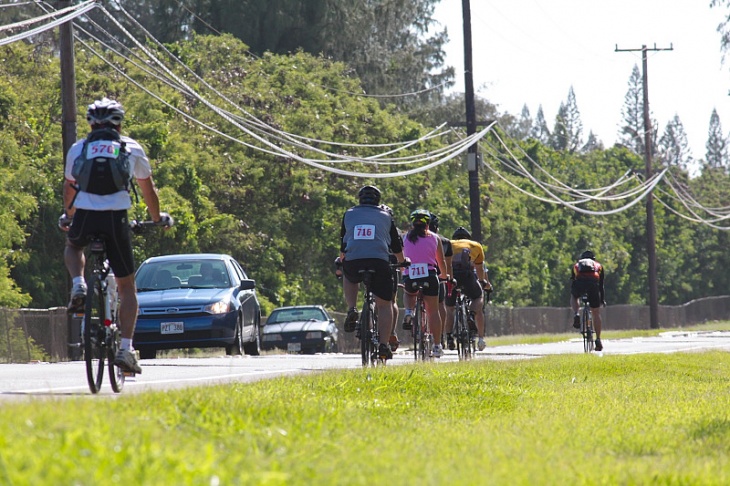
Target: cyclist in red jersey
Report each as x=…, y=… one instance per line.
x=587, y=278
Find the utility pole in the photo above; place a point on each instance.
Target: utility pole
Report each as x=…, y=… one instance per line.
x=68, y=82
x=650, y=226
x=471, y=127
x=68, y=137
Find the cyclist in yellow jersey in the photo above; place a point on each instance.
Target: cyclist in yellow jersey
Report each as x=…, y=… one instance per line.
x=467, y=268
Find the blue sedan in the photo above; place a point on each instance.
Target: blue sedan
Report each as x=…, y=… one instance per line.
x=197, y=300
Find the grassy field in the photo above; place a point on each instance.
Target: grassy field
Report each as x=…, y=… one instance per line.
x=578, y=419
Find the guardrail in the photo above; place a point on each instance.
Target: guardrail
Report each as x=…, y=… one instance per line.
x=52, y=335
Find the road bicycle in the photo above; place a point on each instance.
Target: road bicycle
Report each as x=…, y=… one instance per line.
x=464, y=327
x=586, y=325
x=100, y=331
x=422, y=337
x=368, y=324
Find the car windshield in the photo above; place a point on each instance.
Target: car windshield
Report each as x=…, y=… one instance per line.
x=290, y=315
x=165, y=275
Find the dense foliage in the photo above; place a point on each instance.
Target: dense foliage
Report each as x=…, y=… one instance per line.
x=281, y=218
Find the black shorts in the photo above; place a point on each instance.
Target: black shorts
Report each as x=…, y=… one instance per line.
x=442, y=291
x=113, y=227
x=382, y=283
x=433, y=284
x=470, y=287
x=589, y=287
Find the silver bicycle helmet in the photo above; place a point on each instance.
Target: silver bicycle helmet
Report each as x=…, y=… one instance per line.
x=105, y=111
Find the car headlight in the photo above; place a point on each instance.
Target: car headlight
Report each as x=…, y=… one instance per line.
x=313, y=335
x=271, y=337
x=221, y=307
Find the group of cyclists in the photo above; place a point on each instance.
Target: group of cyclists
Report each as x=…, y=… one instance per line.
x=369, y=239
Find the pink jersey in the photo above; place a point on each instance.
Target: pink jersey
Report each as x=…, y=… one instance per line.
x=422, y=251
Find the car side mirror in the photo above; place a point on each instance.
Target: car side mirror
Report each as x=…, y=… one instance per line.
x=248, y=284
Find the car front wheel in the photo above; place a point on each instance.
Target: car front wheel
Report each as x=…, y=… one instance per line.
x=236, y=348
x=253, y=347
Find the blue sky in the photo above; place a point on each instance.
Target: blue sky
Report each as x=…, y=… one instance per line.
x=532, y=51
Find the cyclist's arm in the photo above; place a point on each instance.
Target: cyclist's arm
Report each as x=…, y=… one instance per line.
x=149, y=194
x=441, y=259
x=68, y=195
x=396, y=242
x=601, y=289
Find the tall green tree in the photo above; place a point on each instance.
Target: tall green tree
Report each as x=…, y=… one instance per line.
x=567, y=134
x=716, y=156
x=674, y=148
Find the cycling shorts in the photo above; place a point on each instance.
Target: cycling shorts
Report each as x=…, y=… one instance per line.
x=113, y=227
x=433, y=284
x=382, y=283
x=469, y=286
x=589, y=287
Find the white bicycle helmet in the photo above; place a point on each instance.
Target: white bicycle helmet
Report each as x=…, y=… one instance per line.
x=105, y=111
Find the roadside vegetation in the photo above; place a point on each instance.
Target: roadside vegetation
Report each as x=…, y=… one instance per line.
x=578, y=419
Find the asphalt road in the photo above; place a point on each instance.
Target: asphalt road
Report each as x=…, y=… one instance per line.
x=55, y=380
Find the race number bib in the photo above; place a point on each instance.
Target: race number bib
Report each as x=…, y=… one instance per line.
x=102, y=148
x=418, y=270
x=365, y=232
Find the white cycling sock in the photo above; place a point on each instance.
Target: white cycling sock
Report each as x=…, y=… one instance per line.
x=126, y=344
x=78, y=280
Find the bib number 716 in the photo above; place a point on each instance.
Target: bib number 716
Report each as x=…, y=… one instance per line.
x=364, y=232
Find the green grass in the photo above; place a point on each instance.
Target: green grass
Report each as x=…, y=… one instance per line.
x=578, y=419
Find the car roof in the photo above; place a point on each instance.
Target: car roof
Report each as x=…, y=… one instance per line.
x=313, y=306
x=189, y=256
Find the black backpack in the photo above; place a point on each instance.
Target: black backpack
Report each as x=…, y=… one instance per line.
x=103, y=166
x=461, y=262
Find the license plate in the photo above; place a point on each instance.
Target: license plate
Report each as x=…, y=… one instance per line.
x=294, y=347
x=172, y=328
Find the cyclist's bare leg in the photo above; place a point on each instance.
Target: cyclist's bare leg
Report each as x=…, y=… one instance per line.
x=350, y=290
x=385, y=318
x=476, y=307
x=409, y=300
x=442, y=313
x=449, y=323
x=434, y=318
x=73, y=257
x=127, y=305
x=395, y=315
x=597, y=321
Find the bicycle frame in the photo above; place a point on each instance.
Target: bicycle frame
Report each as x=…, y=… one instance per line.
x=586, y=325
x=465, y=345
x=422, y=337
x=368, y=325
x=100, y=332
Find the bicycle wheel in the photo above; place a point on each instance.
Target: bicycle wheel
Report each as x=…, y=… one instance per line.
x=365, y=335
x=94, y=336
x=417, y=334
x=587, y=330
x=426, y=337
x=463, y=338
x=113, y=340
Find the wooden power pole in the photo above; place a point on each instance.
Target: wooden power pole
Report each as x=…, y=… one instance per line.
x=68, y=82
x=650, y=226
x=471, y=128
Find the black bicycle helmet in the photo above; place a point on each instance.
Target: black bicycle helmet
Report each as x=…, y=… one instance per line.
x=369, y=195
x=105, y=111
x=433, y=225
x=420, y=216
x=587, y=254
x=461, y=233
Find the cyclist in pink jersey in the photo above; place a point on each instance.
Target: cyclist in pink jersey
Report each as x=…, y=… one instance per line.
x=426, y=253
